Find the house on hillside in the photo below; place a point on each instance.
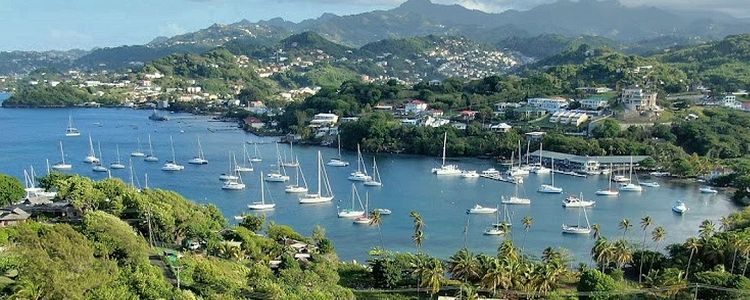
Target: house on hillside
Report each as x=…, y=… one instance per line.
x=254, y=122
x=593, y=103
x=635, y=98
x=12, y=216
x=324, y=119
x=502, y=127
x=415, y=106
x=549, y=104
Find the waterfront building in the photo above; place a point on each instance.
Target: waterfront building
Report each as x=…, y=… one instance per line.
x=585, y=163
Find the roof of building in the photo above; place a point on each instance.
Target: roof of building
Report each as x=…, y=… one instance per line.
x=610, y=159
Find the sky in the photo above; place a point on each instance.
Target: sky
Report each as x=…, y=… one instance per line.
x=85, y=24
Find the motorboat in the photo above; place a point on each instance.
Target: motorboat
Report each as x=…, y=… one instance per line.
x=382, y=211
x=338, y=161
x=352, y=211
x=199, y=159
x=708, y=190
x=478, y=209
x=62, y=165
x=578, y=229
x=71, y=131
x=324, y=193
x=650, y=184
x=494, y=230
x=469, y=174
x=573, y=201
x=446, y=170
x=679, y=207
x=491, y=172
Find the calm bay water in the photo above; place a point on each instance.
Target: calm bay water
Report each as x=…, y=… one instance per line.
x=29, y=136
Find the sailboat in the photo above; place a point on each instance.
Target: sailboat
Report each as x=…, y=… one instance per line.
x=172, y=165
x=71, y=130
x=98, y=167
x=117, y=165
x=31, y=188
x=320, y=196
x=245, y=158
x=515, y=199
x=293, y=163
x=338, y=161
x=150, y=157
x=609, y=191
x=91, y=157
x=352, y=212
x=199, y=159
x=262, y=205
x=630, y=186
x=576, y=202
x=550, y=188
x=361, y=173
x=280, y=174
x=375, y=179
x=578, y=229
x=234, y=184
x=296, y=188
x=138, y=152
x=62, y=165
x=496, y=228
x=540, y=168
x=256, y=156
x=514, y=170
x=230, y=175
x=364, y=218
x=506, y=218
x=446, y=169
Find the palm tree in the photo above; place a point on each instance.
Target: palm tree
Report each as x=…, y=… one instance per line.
x=496, y=274
x=646, y=221
x=527, y=221
x=625, y=226
x=464, y=266
x=622, y=253
x=508, y=251
x=434, y=274
x=467, y=292
x=602, y=252
x=376, y=219
x=418, y=236
x=707, y=229
x=726, y=223
x=657, y=235
x=736, y=243
x=693, y=244
x=597, y=230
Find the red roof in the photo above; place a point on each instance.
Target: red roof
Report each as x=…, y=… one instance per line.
x=416, y=101
x=252, y=120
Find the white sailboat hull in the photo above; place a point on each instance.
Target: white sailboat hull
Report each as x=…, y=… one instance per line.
x=72, y=134
x=630, y=187
x=373, y=183
x=137, y=154
x=172, y=167
x=99, y=169
x=243, y=169
x=448, y=170
x=516, y=201
x=351, y=213
x=233, y=186
x=494, y=231
x=481, y=210
x=383, y=211
x=256, y=160
x=540, y=170
x=337, y=163
x=276, y=178
x=470, y=174
x=225, y=177
x=293, y=189
x=261, y=206
x=198, y=161
x=290, y=164
x=359, y=176
x=708, y=190
x=362, y=220
x=151, y=159
x=116, y=166
x=574, y=229
x=62, y=166
x=549, y=189
x=609, y=193
x=315, y=199
x=91, y=159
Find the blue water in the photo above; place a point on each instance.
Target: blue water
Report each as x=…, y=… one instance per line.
x=29, y=136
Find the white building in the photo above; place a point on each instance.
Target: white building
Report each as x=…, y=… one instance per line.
x=730, y=101
x=593, y=103
x=415, y=107
x=324, y=119
x=635, y=98
x=548, y=104
x=502, y=127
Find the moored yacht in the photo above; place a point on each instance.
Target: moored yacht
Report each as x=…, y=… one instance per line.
x=352, y=211
x=296, y=187
x=361, y=173
x=62, y=165
x=117, y=165
x=446, y=169
x=91, y=157
x=578, y=229
x=262, y=205
x=138, y=152
x=324, y=194
x=338, y=161
x=708, y=190
x=279, y=175
x=97, y=165
x=609, y=191
x=679, y=207
x=199, y=158
x=150, y=157
x=478, y=209
x=71, y=131
x=573, y=201
x=172, y=165
x=550, y=188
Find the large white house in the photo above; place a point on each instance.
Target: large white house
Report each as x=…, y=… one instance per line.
x=324, y=119
x=415, y=107
x=593, y=103
x=730, y=101
x=635, y=98
x=549, y=104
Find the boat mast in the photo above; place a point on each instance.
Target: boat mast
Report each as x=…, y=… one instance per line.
x=319, y=158
x=62, y=153
x=118, y=153
x=262, y=190
x=171, y=143
x=91, y=147
x=338, y=137
x=528, y=147
x=445, y=141
x=101, y=159
x=150, y=147
x=552, y=172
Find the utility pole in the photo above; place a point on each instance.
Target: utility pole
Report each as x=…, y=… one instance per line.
x=695, y=295
x=178, y=268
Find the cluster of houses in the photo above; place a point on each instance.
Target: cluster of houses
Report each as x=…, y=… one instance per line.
x=729, y=100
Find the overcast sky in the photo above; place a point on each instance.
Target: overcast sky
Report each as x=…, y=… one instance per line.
x=66, y=24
